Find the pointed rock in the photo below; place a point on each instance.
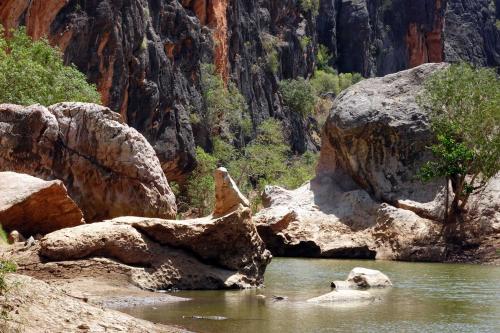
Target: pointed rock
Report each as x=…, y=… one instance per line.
x=227, y=195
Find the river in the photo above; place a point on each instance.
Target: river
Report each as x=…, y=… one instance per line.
x=426, y=297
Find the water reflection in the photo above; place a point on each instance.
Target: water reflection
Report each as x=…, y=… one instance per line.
x=425, y=298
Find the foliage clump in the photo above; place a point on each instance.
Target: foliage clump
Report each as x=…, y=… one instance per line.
x=34, y=72
x=270, y=46
x=323, y=59
x=463, y=104
x=311, y=6
x=225, y=106
x=298, y=95
x=266, y=160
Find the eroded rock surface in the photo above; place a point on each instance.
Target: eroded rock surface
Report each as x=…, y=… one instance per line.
x=215, y=252
x=31, y=206
x=108, y=168
x=34, y=306
x=343, y=296
x=227, y=196
x=366, y=201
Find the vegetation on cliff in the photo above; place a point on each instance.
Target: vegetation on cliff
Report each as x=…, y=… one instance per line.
x=266, y=160
x=33, y=72
x=464, y=107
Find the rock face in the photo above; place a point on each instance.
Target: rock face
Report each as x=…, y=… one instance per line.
x=208, y=253
x=378, y=135
x=365, y=201
x=31, y=206
x=108, y=168
x=378, y=38
x=149, y=52
x=33, y=306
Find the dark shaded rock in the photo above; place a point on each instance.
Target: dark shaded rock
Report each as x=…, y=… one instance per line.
x=381, y=37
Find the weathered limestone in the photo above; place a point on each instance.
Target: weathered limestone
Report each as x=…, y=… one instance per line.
x=33, y=206
x=34, y=306
x=366, y=200
x=227, y=195
x=108, y=168
x=218, y=252
x=343, y=296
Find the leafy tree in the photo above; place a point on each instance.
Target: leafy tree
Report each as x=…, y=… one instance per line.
x=323, y=59
x=463, y=103
x=225, y=106
x=310, y=6
x=201, y=185
x=34, y=72
x=325, y=82
x=298, y=95
x=264, y=159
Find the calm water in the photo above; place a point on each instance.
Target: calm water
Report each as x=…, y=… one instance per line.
x=425, y=298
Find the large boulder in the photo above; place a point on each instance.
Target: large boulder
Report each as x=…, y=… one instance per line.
x=108, y=168
x=207, y=253
x=366, y=200
x=378, y=135
x=34, y=206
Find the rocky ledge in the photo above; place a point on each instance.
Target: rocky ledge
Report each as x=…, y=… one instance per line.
x=366, y=201
x=216, y=252
x=33, y=306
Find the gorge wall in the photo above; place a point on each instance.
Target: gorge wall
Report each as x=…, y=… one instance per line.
x=145, y=55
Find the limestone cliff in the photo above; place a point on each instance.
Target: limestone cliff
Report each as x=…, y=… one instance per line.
x=145, y=55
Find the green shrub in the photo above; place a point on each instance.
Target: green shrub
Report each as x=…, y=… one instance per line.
x=34, y=72
x=324, y=82
x=266, y=160
x=298, y=95
x=270, y=46
x=301, y=168
x=224, y=105
x=200, y=184
x=323, y=59
x=310, y=6
x=304, y=42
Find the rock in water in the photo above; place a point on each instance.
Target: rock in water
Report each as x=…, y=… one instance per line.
x=108, y=168
x=227, y=194
x=343, y=296
x=368, y=278
x=31, y=205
